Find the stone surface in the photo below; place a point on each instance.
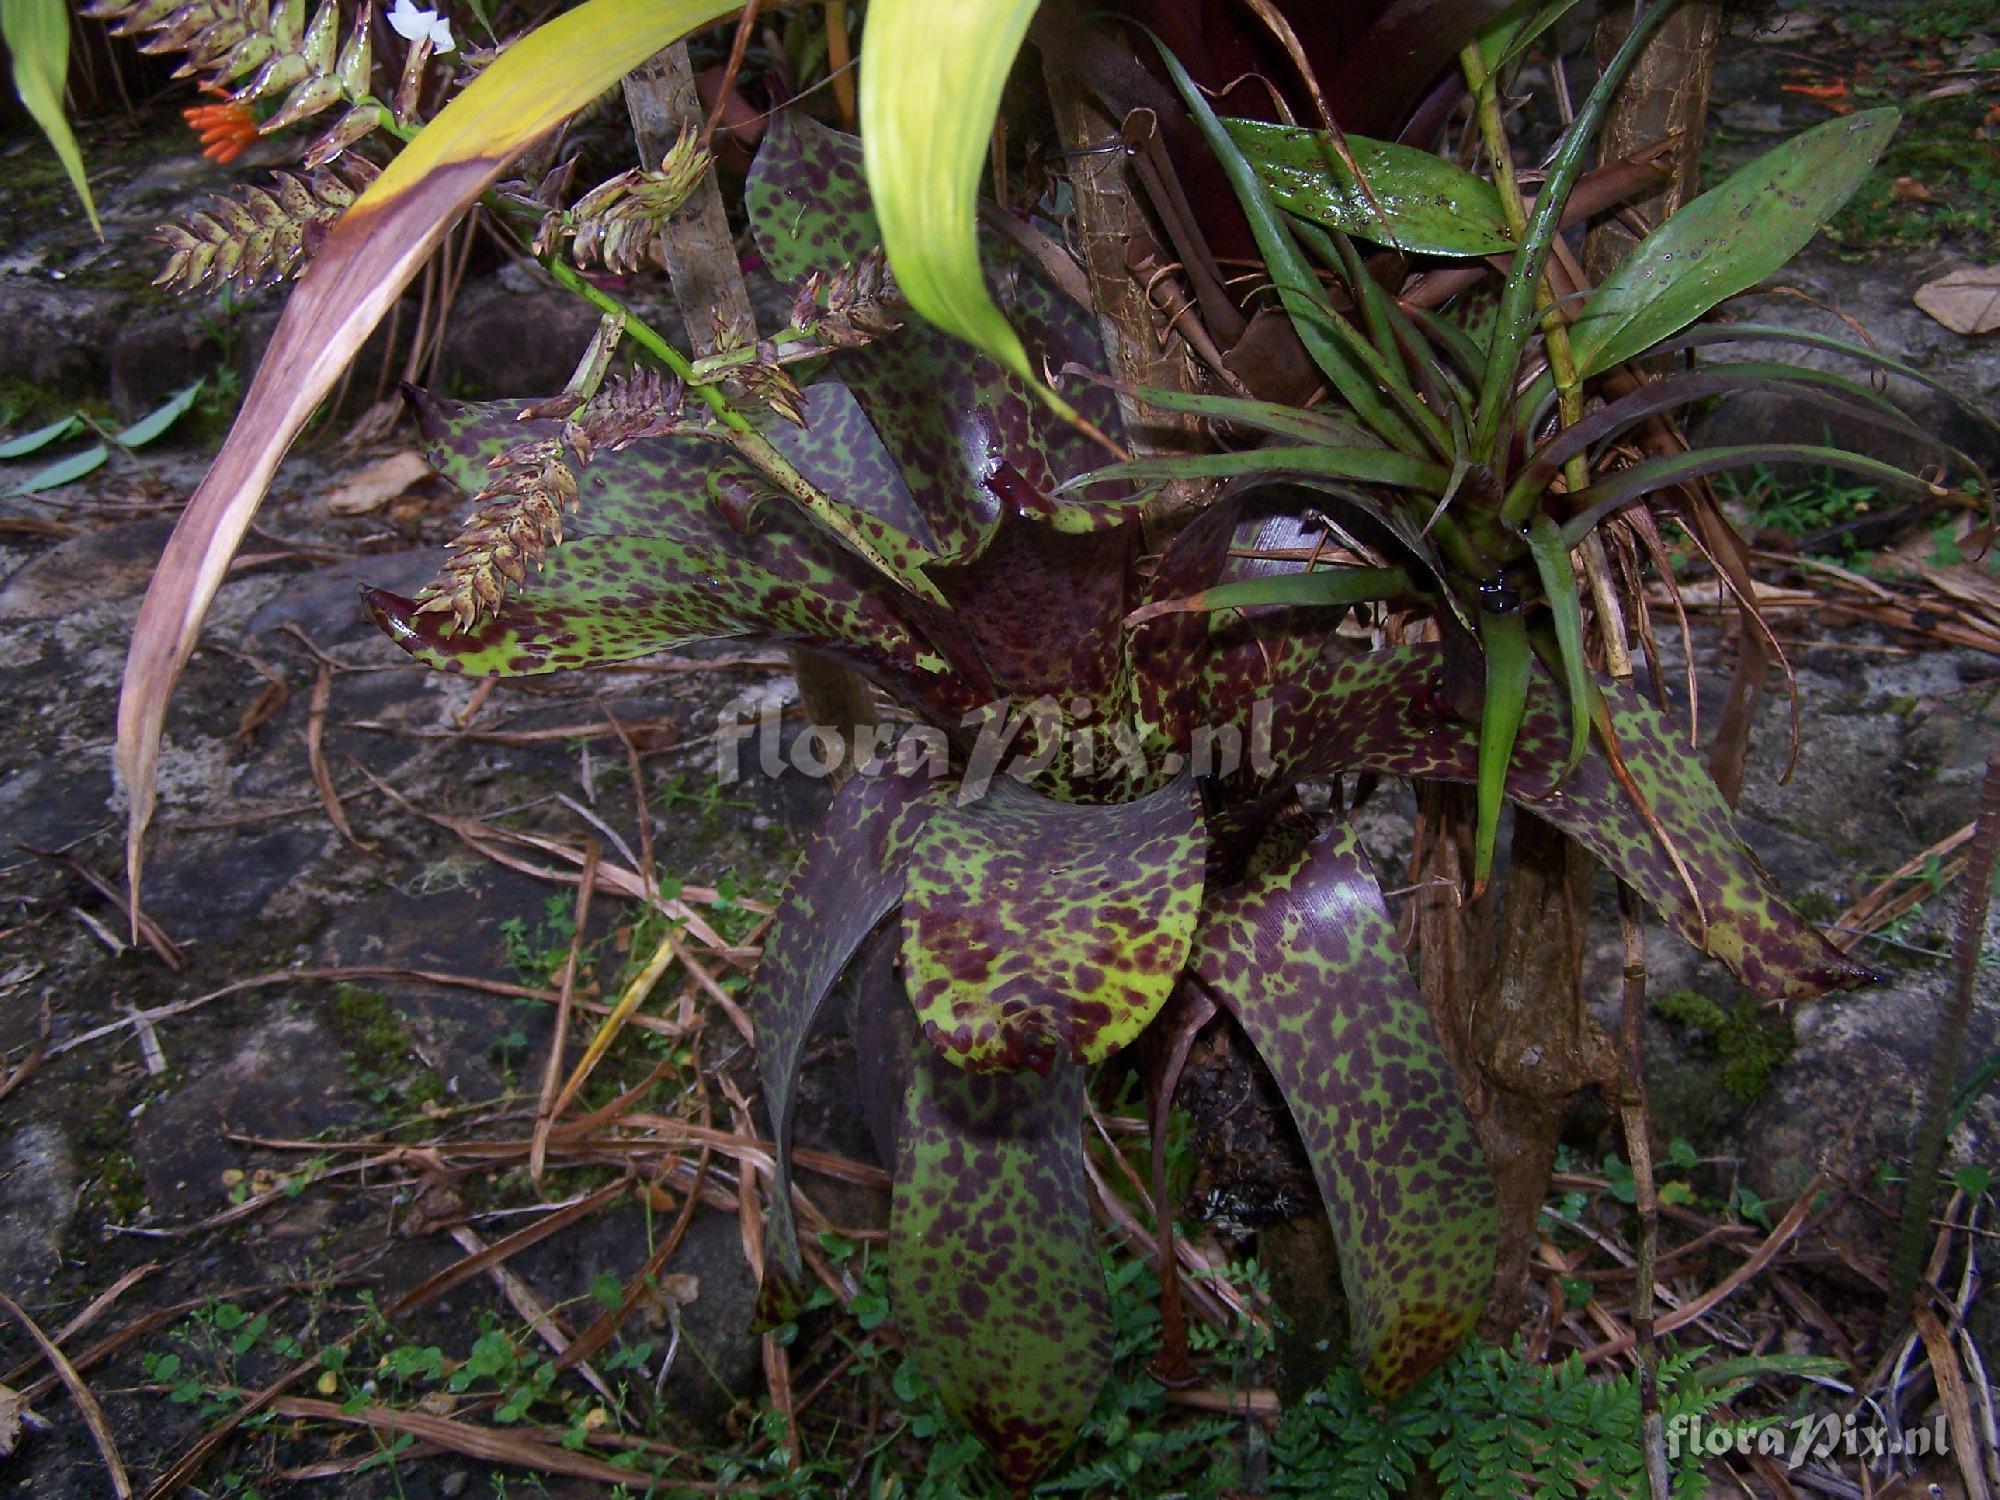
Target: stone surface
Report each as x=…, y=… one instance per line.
x=89, y=568
x=506, y=342
x=287, y=1077
x=38, y=1183
x=1851, y=1093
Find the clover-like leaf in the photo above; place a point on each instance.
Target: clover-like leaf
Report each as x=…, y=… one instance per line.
x=994, y=1276
x=848, y=879
x=1304, y=955
x=1036, y=931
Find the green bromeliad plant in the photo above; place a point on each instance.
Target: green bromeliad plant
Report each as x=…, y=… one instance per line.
x=1383, y=583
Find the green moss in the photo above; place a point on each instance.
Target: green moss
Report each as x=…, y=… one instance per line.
x=380, y=1057
x=1937, y=147
x=1816, y=907
x=1752, y=1042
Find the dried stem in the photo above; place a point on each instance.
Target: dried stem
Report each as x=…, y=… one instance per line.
x=1928, y=1151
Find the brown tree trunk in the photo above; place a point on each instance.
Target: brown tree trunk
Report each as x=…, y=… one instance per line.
x=714, y=304
x=1665, y=95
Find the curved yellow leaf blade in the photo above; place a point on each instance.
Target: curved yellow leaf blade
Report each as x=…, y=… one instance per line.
x=37, y=33
x=931, y=76
x=372, y=253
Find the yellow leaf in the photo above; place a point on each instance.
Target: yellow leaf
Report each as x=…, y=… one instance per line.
x=931, y=76
x=37, y=33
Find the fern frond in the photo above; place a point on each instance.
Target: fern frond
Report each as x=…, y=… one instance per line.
x=258, y=235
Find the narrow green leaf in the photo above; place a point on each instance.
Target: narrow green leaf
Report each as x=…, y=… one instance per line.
x=1305, y=957
x=1429, y=206
x=41, y=437
x=1729, y=239
x=993, y=1271
x=1545, y=543
x=1036, y=931
x=1318, y=588
x=63, y=470
x=1363, y=465
x=1342, y=354
x=37, y=33
x=1622, y=486
x=1503, y=636
x=1515, y=318
x=1334, y=428
x=159, y=419
x=1516, y=31
x=931, y=76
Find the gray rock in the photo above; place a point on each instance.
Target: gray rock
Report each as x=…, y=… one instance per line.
x=286, y=1078
x=37, y=1201
x=88, y=569
x=211, y=885
x=500, y=342
x=1850, y=1095
x=56, y=334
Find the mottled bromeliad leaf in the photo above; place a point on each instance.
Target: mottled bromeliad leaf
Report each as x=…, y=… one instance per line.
x=993, y=1271
x=1042, y=610
x=1036, y=931
x=1397, y=712
x=807, y=200
x=950, y=417
x=673, y=540
x=848, y=879
x=1423, y=203
x=1729, y=239
x=1304, y=956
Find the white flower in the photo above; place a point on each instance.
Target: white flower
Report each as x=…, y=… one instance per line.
x=415, y=24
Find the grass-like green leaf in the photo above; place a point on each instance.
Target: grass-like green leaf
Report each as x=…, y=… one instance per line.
x=41, y=437
x=931, y=76
x=37, y=33
x=64, y=470
x=1622, y=486
x=160, y=418
x=1503, y=638
x=1305, y=957
x=1037, y=931
x=1316, y=589
x=1510, y=36
x=1729, y=239
x=1362, y=465
x=1380, y=397
x=993, y=1271
x=1428, y=206
x=1320, y=425
x=1545, y=543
